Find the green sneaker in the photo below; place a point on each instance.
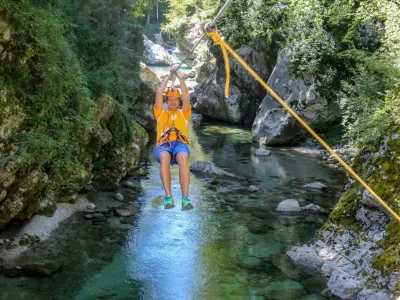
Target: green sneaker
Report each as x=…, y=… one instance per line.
x=169, y=202
x=186, y=204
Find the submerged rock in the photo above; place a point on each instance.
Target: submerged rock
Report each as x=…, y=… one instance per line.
x=119, y=196
x=32, y=269
x=123, y=212
x=262, y=152
x=209, y=169
x=314, y=208
x=285, y=289
x=91, y=206
x=28, y=239
x=315, y=185
x=289, y=205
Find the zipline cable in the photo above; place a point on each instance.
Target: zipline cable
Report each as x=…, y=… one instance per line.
x=204, y=33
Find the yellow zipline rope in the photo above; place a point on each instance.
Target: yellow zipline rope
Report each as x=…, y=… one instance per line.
x=213, y=33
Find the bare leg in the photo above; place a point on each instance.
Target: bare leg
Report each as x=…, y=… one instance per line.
x=184, y=172
x=165, y=171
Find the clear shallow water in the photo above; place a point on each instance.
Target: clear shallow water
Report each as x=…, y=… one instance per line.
x=231, y=246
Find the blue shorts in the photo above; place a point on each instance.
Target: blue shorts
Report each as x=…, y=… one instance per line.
x=175, y=148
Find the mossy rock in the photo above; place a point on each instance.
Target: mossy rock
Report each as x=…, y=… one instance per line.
x=28, y=239
x=346, y=206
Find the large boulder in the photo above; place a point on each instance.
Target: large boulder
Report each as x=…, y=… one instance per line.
x=157, y=55
x=203, y=64
x=261, y=59
x=148, y=75
x=245, y=92
x=211, y=102
x=275, y=126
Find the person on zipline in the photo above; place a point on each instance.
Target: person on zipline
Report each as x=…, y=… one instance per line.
x=172, y=131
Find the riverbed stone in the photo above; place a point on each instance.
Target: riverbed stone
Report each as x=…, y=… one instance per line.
x=91, y=206
x=314, y=208
x=32, y=269
x=284, y=289
x=253, y=189
x=315, y=185
x=312, y=297
x=289, y=205
x=119, y=196
x=262, y=152
x=28, y=239
x=250, y=263
x=123, y=212
x=283, y=263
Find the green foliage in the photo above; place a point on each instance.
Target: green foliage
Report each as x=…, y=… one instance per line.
x=363, y=103
x=104, y=37
x=176, y=17
x=120, y=126
x=61, y=54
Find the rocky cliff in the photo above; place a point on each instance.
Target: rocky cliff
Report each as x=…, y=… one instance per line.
x=58, y=135
x=357, y=250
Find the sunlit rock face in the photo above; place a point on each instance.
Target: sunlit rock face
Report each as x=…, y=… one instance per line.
x=273, y=125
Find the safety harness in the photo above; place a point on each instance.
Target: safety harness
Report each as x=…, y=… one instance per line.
x=164, y=138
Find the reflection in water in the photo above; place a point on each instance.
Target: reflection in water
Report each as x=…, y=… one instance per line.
x=231, y=246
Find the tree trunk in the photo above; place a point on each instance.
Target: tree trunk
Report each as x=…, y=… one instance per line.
x=148, y=21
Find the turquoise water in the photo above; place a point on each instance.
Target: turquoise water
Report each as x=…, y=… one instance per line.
x=231, y=246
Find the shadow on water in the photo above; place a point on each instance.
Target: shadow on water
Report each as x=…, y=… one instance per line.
x=231, y=246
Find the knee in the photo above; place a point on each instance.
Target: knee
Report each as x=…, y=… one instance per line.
x=165, y=157
x=181, y=158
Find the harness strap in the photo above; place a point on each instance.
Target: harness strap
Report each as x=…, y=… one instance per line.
x=164, y=138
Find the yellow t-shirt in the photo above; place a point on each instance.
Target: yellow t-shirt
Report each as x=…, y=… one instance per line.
x=166, y=119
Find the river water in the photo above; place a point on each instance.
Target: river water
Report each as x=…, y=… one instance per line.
x=230, y=246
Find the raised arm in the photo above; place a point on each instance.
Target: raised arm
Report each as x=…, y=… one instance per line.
x=159, y=96
x=185, y=93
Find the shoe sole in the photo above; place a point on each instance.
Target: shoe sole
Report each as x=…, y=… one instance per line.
x=187, y=207
x=169, y=206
